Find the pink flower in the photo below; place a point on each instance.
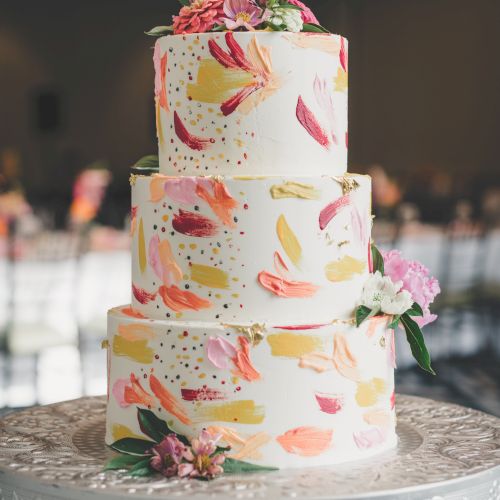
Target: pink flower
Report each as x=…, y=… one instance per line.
x=416, y=280
x=202, y=459
x=241, y=14
x=307, y=14
x=168, y=455
x=198, y=17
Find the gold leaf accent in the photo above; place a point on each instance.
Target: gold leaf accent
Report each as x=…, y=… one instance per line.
x=132, y=179
x=348, y=183
x=254, y=333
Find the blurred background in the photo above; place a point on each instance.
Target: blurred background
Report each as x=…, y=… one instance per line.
x=76, y=80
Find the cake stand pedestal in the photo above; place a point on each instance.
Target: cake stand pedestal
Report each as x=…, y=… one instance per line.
x=445, y=451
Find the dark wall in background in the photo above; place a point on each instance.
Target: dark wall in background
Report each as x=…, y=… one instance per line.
x=424, y=83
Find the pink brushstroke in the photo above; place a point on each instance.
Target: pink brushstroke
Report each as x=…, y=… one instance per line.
x=181, y=189
x=370, y=257
x=220, y=351
x=324, y=99
x=142, y=296
x=329, y=403
x=343, y=54
x=280, y=265
x=118, y=391
x=391, y=348
x=190, y=140
x=369, y=439
x=203, y=394
x=332, y=209
x=301, y=327
x=310, y=123
x=359, y=226
x=393, y=400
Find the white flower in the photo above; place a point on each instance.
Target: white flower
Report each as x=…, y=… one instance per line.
x=291, y=19
x=381, y=294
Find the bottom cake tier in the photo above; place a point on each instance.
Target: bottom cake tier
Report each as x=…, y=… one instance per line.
x=280, y=395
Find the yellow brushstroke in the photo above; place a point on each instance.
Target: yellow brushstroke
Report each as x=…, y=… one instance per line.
x=369, y=392
x=250, y=177
x=137, y=350
x=215, y=83
x=241, y=447
x=159, y=129
x=327, y=44
x=341, y=81
x=209, y=276
x=236, y=412
x=294, y=190
x=292, y=345
x=122, y=431
x=136, y=331
x=288, y=240
x=344, y=269
x=142, y=248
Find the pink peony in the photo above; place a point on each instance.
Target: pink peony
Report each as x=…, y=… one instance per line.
x=168, y=455
x=416, y=280
x=307, y=14
x=198, y=17
x=241, y=14
x=202, y=459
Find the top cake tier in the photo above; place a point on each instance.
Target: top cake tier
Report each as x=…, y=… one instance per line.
x=243, y=103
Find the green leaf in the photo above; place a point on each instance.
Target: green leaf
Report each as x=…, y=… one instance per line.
x=232, y=466
x=133, y=446
x=290, y=6
x=415, y=310
x=151, y=425
x=417, y=343
x=150, y=163
x=394, y=323
x=158, y=31
x=378, y=260
x=313, y=28
x=362, y=312
x=141, y=469
x=186, y=3
x=122, y=462
x=221, y=449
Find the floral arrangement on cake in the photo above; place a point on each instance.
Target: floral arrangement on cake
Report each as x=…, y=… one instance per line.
x=202, y=16
x=174, y=455
x=403, y=290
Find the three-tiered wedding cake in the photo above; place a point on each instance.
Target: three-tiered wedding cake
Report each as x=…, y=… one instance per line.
x=250, y=250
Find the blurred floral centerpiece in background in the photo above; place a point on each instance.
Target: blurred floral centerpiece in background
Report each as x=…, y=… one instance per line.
x=201, y=16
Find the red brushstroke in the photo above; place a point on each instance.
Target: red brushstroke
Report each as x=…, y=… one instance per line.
x=230, y=105
x=142, y=296
x=393, y=400
x=311, y=124
x=243, y=363
x=221, y=201
x=332, y=209
x=130, y=311
x=203, y=394
x=343, y=54
x=163, y=92
x=328, y=403
x=168, y=400
x=135, y=393
x=190, y=140
x=221, y=56
x=182, y=300
x=285, y=288
x=193, y=224
x=237, y=53
x=301, y=327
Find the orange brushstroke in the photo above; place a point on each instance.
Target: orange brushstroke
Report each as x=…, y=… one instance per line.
x=317, y=361
x=168, y=401
x=286, y=288
x=380, y=418
x=374, y=324
x=306, y=441
x=157, y=188
x=135, y=393
x=280, y=266
x=164, y=262
x=246, y=448
x=243, y=363
x=343, y=359
x=182, y=300
x=130, y=311
x=163, y=93
x=134, y=332
x=221, y=202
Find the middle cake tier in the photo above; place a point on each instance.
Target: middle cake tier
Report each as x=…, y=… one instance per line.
x=239, y=249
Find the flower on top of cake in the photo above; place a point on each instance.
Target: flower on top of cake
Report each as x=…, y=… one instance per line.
x=203, y=16
x=402, y=290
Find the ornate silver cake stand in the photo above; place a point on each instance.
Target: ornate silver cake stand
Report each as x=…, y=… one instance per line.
x=445, y=452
